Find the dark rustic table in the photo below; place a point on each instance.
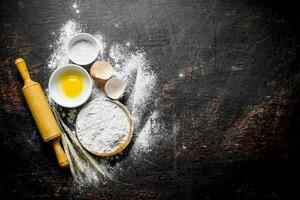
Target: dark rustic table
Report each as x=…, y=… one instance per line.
x=236, y=108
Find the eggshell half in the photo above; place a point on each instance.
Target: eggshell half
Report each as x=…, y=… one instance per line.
x=101, y=71
x=114, y=88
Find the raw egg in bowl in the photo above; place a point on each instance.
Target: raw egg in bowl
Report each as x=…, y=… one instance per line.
x=70, y=86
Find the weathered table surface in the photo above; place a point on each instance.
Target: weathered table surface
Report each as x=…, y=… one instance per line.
x=236, y=108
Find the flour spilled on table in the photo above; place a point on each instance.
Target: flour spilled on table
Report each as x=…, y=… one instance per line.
x=135, y=70
x=59, y=56
x=148, y=135
x=140, y=93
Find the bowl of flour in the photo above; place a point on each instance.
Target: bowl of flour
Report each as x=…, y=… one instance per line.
x=83, y=49
x=104, y=127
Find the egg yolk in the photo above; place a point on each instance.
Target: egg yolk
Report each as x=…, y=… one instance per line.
x=71, y=83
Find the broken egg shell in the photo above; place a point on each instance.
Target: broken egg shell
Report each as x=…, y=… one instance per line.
x=114, y=88
x=101, y=71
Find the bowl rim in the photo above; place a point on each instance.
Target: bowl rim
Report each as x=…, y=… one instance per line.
x=74, y=38
x=90, y=86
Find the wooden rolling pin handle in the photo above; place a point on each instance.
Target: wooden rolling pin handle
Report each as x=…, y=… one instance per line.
x=22, y=68
x=41, y=112
x=60, y=154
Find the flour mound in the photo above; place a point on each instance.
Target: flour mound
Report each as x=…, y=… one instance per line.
x=102, y=126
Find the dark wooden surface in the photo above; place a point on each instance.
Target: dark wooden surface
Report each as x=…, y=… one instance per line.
x=236, y=109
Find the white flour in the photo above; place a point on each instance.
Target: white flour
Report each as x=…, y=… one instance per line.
x=59, y=56
x=83, y=50
x=139, y=77
x=141, y=94
x=102, y=126
x=101, y=43
x=144, y=142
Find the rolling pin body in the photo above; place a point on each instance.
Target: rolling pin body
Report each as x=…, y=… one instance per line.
x=41, y=112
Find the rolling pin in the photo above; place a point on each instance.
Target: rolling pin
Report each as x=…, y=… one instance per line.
x=41, y=112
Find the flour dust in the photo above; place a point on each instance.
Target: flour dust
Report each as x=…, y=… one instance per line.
x=59, y=55
x=141, y=91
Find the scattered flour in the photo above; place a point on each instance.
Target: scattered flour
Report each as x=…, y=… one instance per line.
x=59, y=56
x=101, y=42
x=143, y=93
x=146, y=138
x=134, y=68
x=102, y=126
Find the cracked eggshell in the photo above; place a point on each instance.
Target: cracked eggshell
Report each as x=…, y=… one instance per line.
x=101, y=71
x=114, y=88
